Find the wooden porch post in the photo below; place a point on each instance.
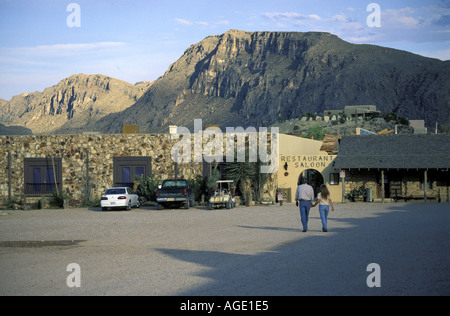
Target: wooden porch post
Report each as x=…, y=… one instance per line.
x=425, y=185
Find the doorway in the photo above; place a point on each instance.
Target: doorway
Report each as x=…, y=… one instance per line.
x=314, y=178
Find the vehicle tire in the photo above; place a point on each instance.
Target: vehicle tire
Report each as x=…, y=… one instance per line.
x=186, y=205
x=129, y=206
x=228, y=205
x=104, y=209
x=138, y=204
x=210, y=206
x=160, y=207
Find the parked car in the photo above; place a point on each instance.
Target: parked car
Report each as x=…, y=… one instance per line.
x=175, y=193
x=119, y=198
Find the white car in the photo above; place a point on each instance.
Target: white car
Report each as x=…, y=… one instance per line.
x=119, y=197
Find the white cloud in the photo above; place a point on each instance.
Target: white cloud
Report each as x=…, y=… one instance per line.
x=202, y=23
x=183, y=22
x=293, y=16
x=401, y=18
x=58, y=50
x=223, y=22
x=425, y=23
x=339, y=18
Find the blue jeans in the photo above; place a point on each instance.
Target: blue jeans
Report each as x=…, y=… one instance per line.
x=323, y=210
x=305, y=206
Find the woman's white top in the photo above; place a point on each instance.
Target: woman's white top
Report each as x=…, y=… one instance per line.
x=323, y=201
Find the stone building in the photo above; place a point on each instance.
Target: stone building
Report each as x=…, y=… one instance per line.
x=354, y=110
x=397, y=166
x=388, y=167
x=83, y=165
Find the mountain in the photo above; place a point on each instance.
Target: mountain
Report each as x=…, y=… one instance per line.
x=14, y=130
x=242, y=78
x=71, y=106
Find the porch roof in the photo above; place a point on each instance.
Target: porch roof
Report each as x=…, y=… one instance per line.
x=394, y=152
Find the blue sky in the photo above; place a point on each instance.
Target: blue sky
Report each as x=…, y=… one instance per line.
x=136, y=40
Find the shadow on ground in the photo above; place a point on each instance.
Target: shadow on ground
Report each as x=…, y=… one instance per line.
x=410, y=242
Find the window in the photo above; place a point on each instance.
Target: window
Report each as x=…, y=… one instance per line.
x=114, y=191
x=126, y=169
x=42, y=175
x=334, y=178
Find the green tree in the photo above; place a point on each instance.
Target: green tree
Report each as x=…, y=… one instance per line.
x=446, y=127
x=316, y=132
x=390, y=117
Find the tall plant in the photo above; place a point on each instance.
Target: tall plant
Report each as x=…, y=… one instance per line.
x=148, y=187
x=198, y=186
x=260, y=180
x=248, y=176
x=211, y=181
x=242, y=173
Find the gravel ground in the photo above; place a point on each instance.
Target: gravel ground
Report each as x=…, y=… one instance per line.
x=245, y=251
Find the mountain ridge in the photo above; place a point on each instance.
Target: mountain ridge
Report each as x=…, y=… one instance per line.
x=244, y=78
x=74, y=103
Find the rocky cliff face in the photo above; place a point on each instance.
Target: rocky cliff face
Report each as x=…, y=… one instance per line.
x=242, y=78
x=72, y=105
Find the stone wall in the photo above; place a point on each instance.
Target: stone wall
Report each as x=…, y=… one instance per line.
x=73, y=151
x=355, y=179
x=400, y=183
x=101, y=149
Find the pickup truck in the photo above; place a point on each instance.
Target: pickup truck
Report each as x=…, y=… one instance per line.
x=174, y=193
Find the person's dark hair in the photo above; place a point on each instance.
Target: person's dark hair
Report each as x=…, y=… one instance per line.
x=302, y=180
x=324, y=192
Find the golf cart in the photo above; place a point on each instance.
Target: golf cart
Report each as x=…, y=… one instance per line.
x=223, y=196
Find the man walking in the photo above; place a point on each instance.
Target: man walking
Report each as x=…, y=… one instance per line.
x=304, y=196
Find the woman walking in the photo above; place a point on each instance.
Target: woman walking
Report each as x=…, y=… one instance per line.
x=324, y=200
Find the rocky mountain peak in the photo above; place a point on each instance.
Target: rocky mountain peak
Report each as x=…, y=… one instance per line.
x=73, y=102
x=243, y=78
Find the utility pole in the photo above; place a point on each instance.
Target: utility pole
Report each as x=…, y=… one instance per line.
x=88, y=191
x=9, y=176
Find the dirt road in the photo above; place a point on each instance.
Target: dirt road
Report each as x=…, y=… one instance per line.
x=245, y=251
